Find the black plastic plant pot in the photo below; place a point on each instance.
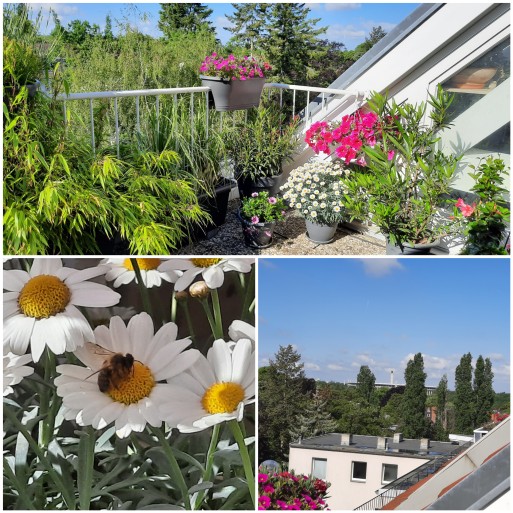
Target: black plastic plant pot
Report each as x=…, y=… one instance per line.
x=257, y=236
x=432, y=248
x=247, y=185
x=234, y=94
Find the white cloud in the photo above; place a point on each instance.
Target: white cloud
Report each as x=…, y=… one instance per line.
x=221, y=22
x=501, y=370
x=264, y=362
x=341, y=7
x=336, y=367
x=380, y=266
x=62, y=10
x=368, y=25
x=496, y=356
x=312, y=366
x=337, y=32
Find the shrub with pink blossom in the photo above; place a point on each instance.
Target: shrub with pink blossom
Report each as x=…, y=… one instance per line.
x=286, y=490
x=234, y=68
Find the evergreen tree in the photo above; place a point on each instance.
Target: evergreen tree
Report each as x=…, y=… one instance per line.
x=414, y=423
x=365, y=382
x=292, y=43
x=108, y=34
x=375, y=35
x=280, y=400
x=440, y=429
x=483, y=391
x=248, y=25
x=184, y=17
x=464, y=405
x=315, y=420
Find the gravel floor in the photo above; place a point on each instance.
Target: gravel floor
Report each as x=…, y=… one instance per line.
x=289, y=239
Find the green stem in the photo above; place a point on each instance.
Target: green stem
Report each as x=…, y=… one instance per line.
x=249, y=297
x=246, y=460
x=210, y=317
x=251, y=307
x=48, y=400
x=190, y=325
x=23, y=493
x=86, y=468
x=207, y=476
x=145, y=297
x=176, y=473
x=217, y=313
x=174, y=306
x=67, y=495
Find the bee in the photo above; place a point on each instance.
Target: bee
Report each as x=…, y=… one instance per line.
x=115, y=368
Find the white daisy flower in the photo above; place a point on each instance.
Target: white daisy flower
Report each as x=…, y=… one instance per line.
x=122, y=272
x=313, y=213
x=40, y=306
x=336, y=209
x=131, y=388
x=239, y=330
x=15, y=370
x=212, y=269
x=214, y=390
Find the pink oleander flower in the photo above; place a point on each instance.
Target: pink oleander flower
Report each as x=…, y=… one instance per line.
x=466, y=210
x=459, y=203
x=390, y=154
x=255, y=220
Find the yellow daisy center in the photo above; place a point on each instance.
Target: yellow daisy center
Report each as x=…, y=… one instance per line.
x=134, y=386
x=44, y=296
x=205, y=262
x=222, y=398
x=145, y=264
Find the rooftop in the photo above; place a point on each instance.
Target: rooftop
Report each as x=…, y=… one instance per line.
x=367, y=443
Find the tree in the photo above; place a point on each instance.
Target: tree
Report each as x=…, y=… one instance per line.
x=291, y=42
x=464, y=396
x=184, y=17
x=483, y=390
x=365, y=382
x=414, y=399
x=280, y=399
x=107, y=33
x=315, y=420
x=248, y=25
x=375, y=35
x=78, y=32
x=440, y=429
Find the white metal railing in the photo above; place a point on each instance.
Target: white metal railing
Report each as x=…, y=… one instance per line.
x=326, y=95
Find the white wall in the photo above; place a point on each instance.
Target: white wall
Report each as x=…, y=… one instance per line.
x=344, y=493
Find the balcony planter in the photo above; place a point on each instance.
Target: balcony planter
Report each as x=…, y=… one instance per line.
x=230, y=95
x=257, y=236
x=248, y=185
x=320, y=233
x=217, y=207
x=432, y=248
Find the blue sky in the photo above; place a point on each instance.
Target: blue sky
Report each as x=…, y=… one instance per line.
x=347, y=22
x=343, y=313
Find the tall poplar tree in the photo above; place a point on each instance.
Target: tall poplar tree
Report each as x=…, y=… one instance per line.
x=440, y=431
x=280, y=400
x=483, y=390
x=464, y=406
x=365, y=382
x=184, y=18
x=414, y=423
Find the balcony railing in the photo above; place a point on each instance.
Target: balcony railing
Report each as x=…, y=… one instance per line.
x=400, y=485
x=322, y=99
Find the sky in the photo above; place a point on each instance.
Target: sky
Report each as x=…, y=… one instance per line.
x=342, y=313
x=348, y=23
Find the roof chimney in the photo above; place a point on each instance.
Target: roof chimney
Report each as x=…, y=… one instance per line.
x=392, y=377
x=424, y=444
x=398, y=437
x=382, y=443
x=346, y=439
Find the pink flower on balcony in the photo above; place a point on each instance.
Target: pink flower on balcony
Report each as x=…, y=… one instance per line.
x=460, y=203
x=466, y=210
x=361, y=162
x=264, y=502
x=254, y=194
x=263, y=478
x=255, y=220
x=272, y=200
x=390, y=154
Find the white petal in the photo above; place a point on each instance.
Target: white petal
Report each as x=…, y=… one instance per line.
x=124, y=279
x=220, y=358
x=203, y=372
x=10, y=307
x=164, y=336
x=86, y=274
x=176, y=264
x=140, y=334
x=93, y=294
x=17, y=332
x=15, y=280
x=107, y=414
x=241, y=329
x=214, y=277
x=242, y=361
x=45, y=266
x=175, y=365
x=118, y=334
x=188, y=277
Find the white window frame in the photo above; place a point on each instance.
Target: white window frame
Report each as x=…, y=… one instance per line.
x=357, y=479
x=325, y=467
x=383, y=472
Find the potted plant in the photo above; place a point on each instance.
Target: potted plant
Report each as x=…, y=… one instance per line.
x=403, y=177
x=259, y=146
x=258, y=215
x=316, y=192
x=236, y=83
x=485, y=221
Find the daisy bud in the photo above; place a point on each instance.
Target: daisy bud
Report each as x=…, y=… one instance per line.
x=199, y=290
x=181, y=295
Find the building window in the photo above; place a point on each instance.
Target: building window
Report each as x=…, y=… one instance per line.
x=359, y=471
x=389, y=473
x=319, y=468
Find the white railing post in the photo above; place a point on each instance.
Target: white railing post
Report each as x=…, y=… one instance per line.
x=92, y=125
x=137, y=115
x=157, y=113
x=206, y=113
x=191, y=117
x=117, y=125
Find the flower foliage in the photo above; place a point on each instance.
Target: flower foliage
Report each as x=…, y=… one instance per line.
x=485, y=221
x=285, y=490
x=262, y=208
x=234, y=68
x=347, y=137
x=315, y=190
